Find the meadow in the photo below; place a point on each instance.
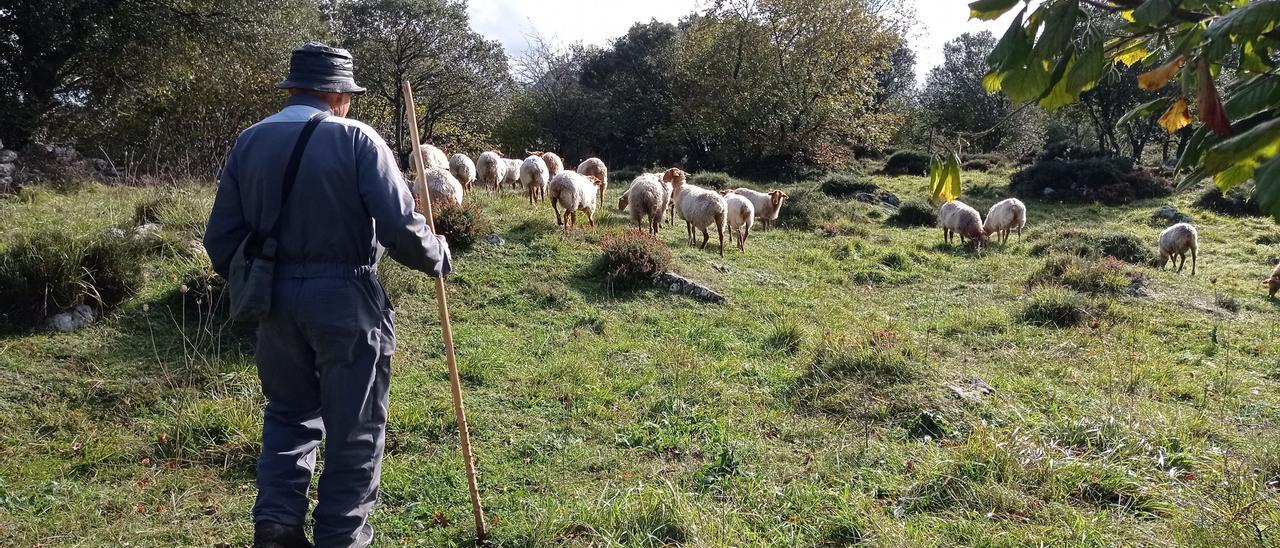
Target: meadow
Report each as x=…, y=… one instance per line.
x=818, y=407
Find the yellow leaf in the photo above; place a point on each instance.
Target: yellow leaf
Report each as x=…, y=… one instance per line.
x=1177, y=117
x=1133, y=53
x=1127, y=15
x=1159, y=76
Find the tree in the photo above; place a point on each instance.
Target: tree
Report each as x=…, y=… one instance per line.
x=459, y=78
x=954, y=96
x=1222, y=53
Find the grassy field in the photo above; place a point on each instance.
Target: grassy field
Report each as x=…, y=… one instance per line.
x=814, y=408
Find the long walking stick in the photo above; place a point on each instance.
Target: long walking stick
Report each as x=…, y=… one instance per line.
x=446, y=329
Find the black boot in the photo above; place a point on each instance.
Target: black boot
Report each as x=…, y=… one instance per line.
x=269, y=534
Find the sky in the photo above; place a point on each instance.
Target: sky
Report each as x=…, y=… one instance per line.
x=597, y=22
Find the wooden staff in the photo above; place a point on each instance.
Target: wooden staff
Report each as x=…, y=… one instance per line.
x=446, y=329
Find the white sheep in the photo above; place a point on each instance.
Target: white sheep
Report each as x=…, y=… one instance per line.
x=699, y=207
x=444, y=189
x=958, y=218
x=534, y=177
x=1006, y=216
x=647, y=196
x=767, y=204
x=1175, y=242
x=491, y=171
x=594, y=167
x=513, y=172
x=434, y=157
x=574, y=192
x=740, y=214
x=554, y=164
x=463, y=169
x=1272, y=282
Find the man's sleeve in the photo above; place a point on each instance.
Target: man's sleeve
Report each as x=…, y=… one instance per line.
x=226, y=227
x=399, y=228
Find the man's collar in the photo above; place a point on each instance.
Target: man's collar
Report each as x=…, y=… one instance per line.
x=307, y=100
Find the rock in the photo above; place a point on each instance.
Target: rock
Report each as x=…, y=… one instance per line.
x=971, y=389
x=148, y=232
x=890, y=198
x=8, y=156
x=881, y=197
x=494, y=239
x=685, y=286
x=115, y=232
x=7, y=170
x=73, y=319
x=197, y=248
x=1170, y=215
x=1138, y=288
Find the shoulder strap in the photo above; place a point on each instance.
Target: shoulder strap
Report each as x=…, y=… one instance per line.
x=291, y=169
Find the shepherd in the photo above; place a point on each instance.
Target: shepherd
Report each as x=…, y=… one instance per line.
x=326, y=331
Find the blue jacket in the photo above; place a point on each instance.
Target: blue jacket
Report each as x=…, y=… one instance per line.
x=349, y=203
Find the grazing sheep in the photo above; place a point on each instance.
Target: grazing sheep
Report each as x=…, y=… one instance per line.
x=574, y=192
x=958, y=218
x=444, y=189
x=534, y=177
x=513, y=172
x=1005, y=216
x=463, y=169
x=491, y=171
x=1175, y=242
x=595, y=167
x=740, y=214
x=647, y=196
x=434, y=157
x=554, y=164
x=767, y=204
x=1272, y=283
x=699, y=207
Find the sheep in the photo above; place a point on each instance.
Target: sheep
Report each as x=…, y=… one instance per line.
x=647, y=196
x=1005, y=216
x=554, y=164
x=513, y=172
x=434, y=157
x=699, y=207
x=444, y=188
x=740, y=214
x=491, y=171
x=1272, y=283
x=958, y=218
x=595, y=167
x=534, y=177
x=767, y=204
x=574, y=192
x=463, y=169
x=1175, y=241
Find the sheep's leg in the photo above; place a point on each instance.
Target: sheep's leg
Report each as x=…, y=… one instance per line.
x=591, y=218
x=705, y=237
x=720, y=233
x=559, y=221
x=1193, y=261
x=746, y=234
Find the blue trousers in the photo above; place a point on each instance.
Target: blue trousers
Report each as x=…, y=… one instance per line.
x=324, y=359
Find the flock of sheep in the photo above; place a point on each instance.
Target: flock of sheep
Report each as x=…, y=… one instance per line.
x=659, y=196
x=651, y=196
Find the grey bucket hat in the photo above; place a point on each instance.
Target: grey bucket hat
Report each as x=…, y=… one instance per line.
x=322, y=68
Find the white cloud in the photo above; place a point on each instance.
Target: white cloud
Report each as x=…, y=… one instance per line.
x=594, y=22
x=942, y=21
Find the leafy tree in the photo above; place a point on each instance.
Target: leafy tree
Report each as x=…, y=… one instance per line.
x=460, y=78
x=955, y=98
x=1220, y=53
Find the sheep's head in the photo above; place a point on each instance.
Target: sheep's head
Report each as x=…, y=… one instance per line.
x=675, y=176
x=595, y=180
x=776, y=197
x=727, y=192
x=622, y=202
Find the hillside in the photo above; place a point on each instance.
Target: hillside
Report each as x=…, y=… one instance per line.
x=815, y=408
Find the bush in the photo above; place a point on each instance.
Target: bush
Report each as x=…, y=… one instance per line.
x=634, y=258
x=1109, y=180
x=1056, y=307
x=839, y=185
x=915, y=213
x=1093, y=245
x=714, y=180
x=908, y=162
x=809, y=209
x=977, y=165
x=623, y=176
x=1092, y=276
x=1237, y=202
x=881, y=355
x=462, y=226
x=47, y=272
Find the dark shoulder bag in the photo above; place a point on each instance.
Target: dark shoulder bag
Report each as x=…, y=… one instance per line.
x=253, y=268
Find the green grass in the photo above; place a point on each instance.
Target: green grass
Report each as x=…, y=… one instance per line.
x=811, y=410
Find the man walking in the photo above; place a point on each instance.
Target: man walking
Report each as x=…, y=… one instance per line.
x=324, y=349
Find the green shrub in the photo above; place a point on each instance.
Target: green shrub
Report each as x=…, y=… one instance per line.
x=1237, y=202
x=714, y=180
x=1056, y=307
x=634, y=258
x=908, y=162
x=623, y=176
x=1086, y=275
x=49, y=271
x=1109, y=180
x=881, y=355
x=978, y=165
x=1097, y=244
x=840, y=185
x=915, y=213
x=462, y=226
x=785, y=335
x=810, y=209
x=113, y=269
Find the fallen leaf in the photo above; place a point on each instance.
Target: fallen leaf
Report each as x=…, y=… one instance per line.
x=440, y=519
x=140, y=509
x=496, y=520
x=1177, y=117
x=1157, y=78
